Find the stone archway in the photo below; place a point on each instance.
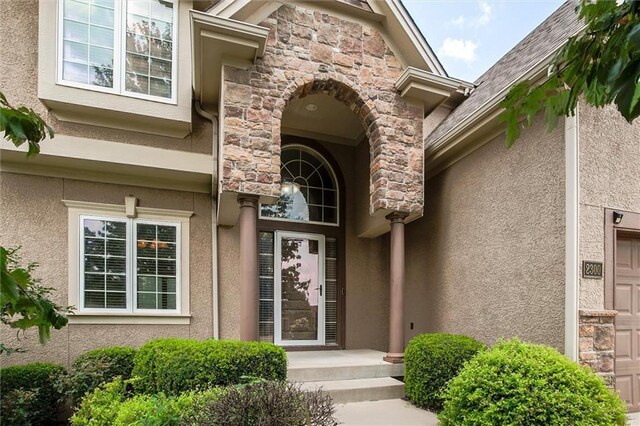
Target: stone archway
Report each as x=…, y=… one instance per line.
x=346, y=60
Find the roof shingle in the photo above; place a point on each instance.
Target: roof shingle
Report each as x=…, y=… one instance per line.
x=541, y=42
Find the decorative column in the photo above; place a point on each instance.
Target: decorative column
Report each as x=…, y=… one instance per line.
x=249, y=296
x=396, y=287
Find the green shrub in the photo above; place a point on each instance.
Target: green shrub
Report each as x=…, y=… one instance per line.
x=29, y=393
x=178, y=365
x=431, y=360
x=267, y=404
x=93, y=368
x=114, y=404
x=518, y=383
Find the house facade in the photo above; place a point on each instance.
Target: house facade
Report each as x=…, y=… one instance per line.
x=306, y=173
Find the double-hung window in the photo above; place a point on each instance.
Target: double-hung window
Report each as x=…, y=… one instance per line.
x=129, y=265
x=119, y=46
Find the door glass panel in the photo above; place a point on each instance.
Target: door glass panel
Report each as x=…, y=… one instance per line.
x=300, y=288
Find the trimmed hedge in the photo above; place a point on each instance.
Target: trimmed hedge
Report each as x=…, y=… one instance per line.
x=178, y=365
x=431, y=360
x=113, y=404
x=28, y=394
x=518, y=383
x=93, y=368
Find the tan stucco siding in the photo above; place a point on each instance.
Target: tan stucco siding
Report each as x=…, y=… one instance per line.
x=487, y=259
x=32, y=215
x=19, y=83
x=609, y=178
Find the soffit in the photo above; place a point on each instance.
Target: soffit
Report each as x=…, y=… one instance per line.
x=218, y=41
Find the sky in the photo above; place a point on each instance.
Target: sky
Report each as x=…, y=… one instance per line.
x=469, y=36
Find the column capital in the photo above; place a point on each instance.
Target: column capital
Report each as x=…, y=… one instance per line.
x=248, y=200
x=396, y=217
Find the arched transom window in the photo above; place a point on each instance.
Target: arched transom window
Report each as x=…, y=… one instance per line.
x=309, y=189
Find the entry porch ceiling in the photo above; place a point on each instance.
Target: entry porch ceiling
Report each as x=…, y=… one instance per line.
x=324, y=118
x=218, y=41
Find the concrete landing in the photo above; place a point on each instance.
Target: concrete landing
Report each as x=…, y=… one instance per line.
x=395, y=412
x=348, y=376
x=340, y=365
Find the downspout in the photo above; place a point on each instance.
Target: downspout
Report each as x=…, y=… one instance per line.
x=214, y=217
x=571, y=236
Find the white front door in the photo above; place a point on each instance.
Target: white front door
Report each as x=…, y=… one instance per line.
x=299, y=289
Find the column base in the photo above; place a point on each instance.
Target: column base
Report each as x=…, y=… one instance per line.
x=393, y=358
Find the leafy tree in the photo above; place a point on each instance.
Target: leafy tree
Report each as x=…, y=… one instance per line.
x=600, y=64
x=24, y=302
x=22, y=125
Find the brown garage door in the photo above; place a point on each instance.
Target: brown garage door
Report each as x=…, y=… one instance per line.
x=627, y=303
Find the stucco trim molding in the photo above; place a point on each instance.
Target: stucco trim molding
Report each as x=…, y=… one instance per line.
x=77, y=209
x=428, y=88
x=631, y=224
x=78, y=318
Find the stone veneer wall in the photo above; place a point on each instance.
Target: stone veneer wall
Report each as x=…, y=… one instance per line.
x=597, y=342
x=312, y=52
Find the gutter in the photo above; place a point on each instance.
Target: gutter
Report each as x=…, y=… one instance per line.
x=214, y=220
x=572, y=187
x=469, y=122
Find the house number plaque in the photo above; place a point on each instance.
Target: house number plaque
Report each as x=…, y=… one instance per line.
x=591, y=269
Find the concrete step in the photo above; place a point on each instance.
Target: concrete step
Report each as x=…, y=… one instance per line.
x=359, y=390
x=343, y=372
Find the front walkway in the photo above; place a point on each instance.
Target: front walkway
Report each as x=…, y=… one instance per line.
x=396, y=412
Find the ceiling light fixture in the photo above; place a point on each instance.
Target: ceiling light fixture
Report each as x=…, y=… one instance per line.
x=311, y=107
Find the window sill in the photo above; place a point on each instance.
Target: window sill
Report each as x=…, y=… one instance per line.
x=138, y=319
x=84, y=106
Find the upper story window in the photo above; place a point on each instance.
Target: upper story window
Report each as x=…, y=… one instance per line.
x=309, y=188
x=119, y=46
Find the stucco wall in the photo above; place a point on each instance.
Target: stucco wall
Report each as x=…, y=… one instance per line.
x=609, y=178
x=32, y=215
x=19, y=83
x=367, y=275
x=487, y=258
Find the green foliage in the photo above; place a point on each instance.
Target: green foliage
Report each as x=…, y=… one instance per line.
x=601, y=64
x=24, y=302
x=267, y=404
x=431, y=360
x=518, y=383
x=94, y=368
x=22, y=125
x=179, y=365
x=28, y=394
x=114, y=404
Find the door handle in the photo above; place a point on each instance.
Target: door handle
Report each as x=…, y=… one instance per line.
x=320, y=290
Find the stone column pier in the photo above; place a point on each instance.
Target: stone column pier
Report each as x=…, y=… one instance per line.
x=396, y=287
x=249, y=290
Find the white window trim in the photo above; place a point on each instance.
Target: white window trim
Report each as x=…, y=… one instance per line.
x=79, y=209
x=119, y=54
x=335, y=180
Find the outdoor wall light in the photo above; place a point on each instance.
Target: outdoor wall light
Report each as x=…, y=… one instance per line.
x=617, y=217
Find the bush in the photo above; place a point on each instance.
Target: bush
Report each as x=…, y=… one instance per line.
x=114, y=404
x=267, y=404
x=519, y=383
x=29, y=394
x=431, y=360
x=178, y=365
x=93, y=368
